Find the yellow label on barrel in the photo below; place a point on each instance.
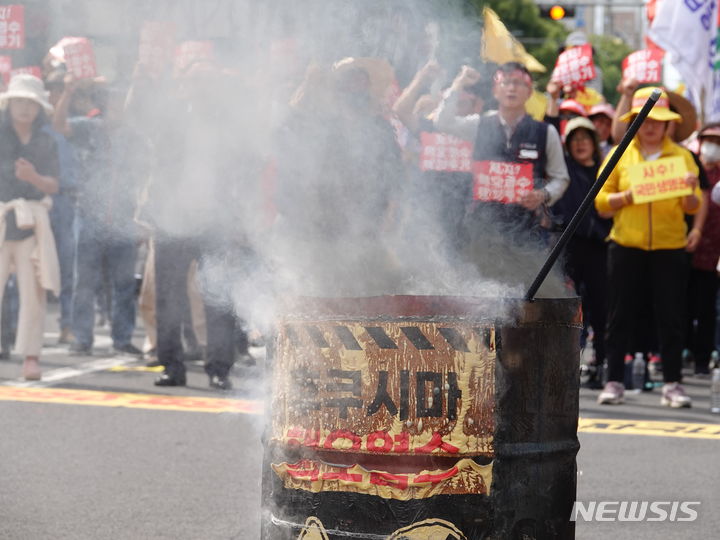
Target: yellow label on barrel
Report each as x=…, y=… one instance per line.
x=393, y=388
x=465, y=478
x=657, y=180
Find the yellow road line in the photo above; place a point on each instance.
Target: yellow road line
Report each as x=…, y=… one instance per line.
x=245, y=406
x=651, y=428
x=156, y=369
x=135, y=401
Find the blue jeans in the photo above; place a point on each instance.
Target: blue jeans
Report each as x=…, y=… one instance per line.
x=119, y=253
x=62, y=219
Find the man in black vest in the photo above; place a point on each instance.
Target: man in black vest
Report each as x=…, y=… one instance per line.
x=519, y=169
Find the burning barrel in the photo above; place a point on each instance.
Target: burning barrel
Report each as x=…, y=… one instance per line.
x=408, y=417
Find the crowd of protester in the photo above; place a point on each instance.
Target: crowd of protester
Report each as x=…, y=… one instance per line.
x=162, y=165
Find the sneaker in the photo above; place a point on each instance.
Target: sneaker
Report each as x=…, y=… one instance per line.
x=673, y=395
x=220, y=383
x=76, y=349
x=612, y=394
x=128, y=348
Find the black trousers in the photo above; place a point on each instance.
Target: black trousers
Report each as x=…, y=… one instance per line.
x=665, y=272
x=586, y=265
x=702, y=312
x=172, y=262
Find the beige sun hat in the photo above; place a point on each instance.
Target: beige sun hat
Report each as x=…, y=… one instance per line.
x=27, y=86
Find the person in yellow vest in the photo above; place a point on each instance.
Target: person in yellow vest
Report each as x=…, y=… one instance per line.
x=647, y=248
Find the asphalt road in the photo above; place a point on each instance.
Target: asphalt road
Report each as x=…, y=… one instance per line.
x=76, y=464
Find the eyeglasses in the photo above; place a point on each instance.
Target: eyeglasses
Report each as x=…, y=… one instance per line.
x=507, y=83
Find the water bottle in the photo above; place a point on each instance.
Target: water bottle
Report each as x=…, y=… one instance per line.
x=715, y=391
x=638, y=371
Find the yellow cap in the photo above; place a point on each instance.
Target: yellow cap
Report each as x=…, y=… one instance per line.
x=661, y=111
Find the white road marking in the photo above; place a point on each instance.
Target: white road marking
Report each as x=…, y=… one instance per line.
x=60, y=374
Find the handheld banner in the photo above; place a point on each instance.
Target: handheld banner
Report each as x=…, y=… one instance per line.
x=658, y=180
x=5, y=68
x=80, y=58
x=497, y=181
x=12, y=27
x=575, y=66
x=645, y=66
x=192, y=51
x=445, y=153
x=35, y=71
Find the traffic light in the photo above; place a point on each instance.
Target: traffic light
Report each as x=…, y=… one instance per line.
x=557, y=12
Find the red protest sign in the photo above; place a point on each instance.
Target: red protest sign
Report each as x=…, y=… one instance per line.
x=35, y=71
x=499, y=181
x=12, y=27
x=575, y=66
x=157, y=45
x=192, y=51
x=79, y=58
x=445, y=153
x=5, y=68
x=645, y=66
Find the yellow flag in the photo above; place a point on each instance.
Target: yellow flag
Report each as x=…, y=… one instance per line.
x=500, y=46
x=588, y=97
x=536, y=105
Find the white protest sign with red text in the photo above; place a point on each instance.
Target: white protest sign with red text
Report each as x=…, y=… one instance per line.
x=79, y=58
x=445, y=153
x=499, y=181
x=12, y=27
x=575, y=66
x=5, y=68
x=157, y=45
x=645, y=66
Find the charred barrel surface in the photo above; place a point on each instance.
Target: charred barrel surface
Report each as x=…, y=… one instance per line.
x=422, y=417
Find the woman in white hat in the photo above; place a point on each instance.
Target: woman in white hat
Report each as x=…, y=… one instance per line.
x=647, y=249
x=28, y=174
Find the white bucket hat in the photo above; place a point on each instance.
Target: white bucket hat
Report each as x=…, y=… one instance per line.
x=27, y=86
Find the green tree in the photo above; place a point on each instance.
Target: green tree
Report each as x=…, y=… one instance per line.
x=543, y=38
x=609, y=54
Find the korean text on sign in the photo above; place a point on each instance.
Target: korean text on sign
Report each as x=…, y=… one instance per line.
x=575, y=66
x=445, y=153
x=80, y=58
x=503, y=182
x=658, y=180
x=12, y=27
x=644, y=66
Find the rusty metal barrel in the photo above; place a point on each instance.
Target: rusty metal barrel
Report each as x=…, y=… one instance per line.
x=416, y=417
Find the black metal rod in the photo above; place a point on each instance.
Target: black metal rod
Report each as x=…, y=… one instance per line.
x=590, y=197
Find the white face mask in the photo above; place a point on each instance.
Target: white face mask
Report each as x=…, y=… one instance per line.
x=710, y=152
